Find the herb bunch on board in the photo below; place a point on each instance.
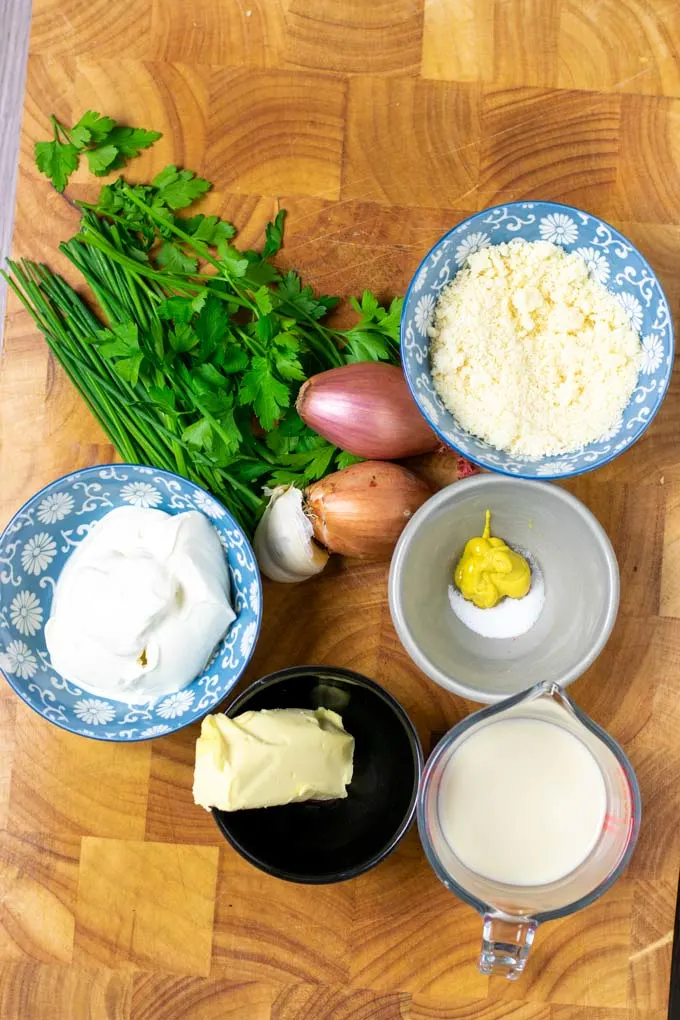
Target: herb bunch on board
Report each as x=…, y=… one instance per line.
x=202, y=347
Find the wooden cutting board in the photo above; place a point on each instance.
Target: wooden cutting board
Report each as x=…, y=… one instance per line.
x=378, y=124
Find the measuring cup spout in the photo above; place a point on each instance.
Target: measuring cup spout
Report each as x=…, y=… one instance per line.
x=506, y=942
x=552, y=692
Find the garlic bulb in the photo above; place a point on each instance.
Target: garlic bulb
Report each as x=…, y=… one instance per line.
x=283, y=543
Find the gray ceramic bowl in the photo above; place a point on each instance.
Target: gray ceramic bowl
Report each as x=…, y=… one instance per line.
x=581, y=587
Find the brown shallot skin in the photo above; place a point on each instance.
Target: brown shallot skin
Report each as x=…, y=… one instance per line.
x=366, y=409
x=362, y=510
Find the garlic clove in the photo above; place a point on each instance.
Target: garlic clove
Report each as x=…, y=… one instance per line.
x=284, y=543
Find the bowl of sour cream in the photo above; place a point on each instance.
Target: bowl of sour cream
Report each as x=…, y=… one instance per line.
x=130, y=602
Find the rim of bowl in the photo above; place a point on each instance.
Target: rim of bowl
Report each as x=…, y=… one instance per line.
x=338, y=672
x=492, y=467
x=258, y=622
x=448, y=495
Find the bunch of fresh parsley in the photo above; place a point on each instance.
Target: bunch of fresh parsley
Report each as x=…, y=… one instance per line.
x=203, y=346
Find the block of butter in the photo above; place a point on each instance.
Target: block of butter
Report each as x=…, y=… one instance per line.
x=276, y=756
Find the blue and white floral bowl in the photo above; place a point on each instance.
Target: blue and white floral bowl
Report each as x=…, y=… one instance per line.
x=33, y=549
x=611, y=259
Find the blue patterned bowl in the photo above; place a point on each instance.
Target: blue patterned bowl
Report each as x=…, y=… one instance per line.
x=33, y=549
x=611, y=259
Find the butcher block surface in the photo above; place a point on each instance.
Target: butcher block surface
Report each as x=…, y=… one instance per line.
x=378, y=125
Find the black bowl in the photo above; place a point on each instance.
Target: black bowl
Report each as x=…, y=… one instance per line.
x=330, y=841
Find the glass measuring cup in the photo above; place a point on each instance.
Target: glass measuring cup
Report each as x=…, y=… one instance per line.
x=511, y=913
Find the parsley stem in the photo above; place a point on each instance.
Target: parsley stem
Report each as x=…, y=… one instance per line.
x=200, y=249
x=58, y=128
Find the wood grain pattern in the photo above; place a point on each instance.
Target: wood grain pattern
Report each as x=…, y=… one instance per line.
x=162, y=997
x=149, y=905
x=39, y=878
x=291, y=140
x=546, y=142
x=432, y=164
x=265, y=930
x=645, y=59
x=381, y=37
x=378, y=126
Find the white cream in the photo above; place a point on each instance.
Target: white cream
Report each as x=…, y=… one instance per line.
x=542, y=826
x=140, y=604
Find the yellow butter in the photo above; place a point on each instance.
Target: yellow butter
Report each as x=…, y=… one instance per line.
x=272, y=757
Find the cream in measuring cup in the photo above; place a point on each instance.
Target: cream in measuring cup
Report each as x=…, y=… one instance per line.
x=528, y=811
x=550, y=822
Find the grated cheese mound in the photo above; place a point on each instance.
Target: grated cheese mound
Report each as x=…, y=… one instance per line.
x=530, y=353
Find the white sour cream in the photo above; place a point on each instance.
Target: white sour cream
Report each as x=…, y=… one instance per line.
x=140, y=604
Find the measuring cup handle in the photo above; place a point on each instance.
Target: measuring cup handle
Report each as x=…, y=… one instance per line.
x=506, y=942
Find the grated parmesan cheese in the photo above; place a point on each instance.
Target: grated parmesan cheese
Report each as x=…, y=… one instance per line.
x=530, y=353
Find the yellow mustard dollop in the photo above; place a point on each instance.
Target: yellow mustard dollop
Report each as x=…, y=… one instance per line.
x=489, y=570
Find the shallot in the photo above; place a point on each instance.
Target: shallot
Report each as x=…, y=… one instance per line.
x=362, y=510
x=366, y=408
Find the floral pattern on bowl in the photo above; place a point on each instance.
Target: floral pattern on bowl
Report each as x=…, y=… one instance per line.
x=33, y=549
x=610, y=258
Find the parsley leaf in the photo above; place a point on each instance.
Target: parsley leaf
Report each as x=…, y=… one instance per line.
x=274, y=235
x=266, y=394
x=121, y=343
x=199, y=434
x=128, y=368
x=228, y=436
x=368, y=307
x=99, y=160
x=376, y=335
x=208, y=376
x=263, y=300
x=233, y=360
x=260, y=271
x=182, y=338
x=266, y=327
x=163, y=396
x=123, y=338
x=130, y=142
x=178, y=309
x=288, y=367
x=232, y=258
x=210, y=229
x=365, y=345
x=312, y=463
x=57, y=160
x=91, y=127
x=179, y=188
x=106, y=145
x=172, y=258
x=390, y=321
x=302, y=301
x=346, y=459
x=211, y=323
